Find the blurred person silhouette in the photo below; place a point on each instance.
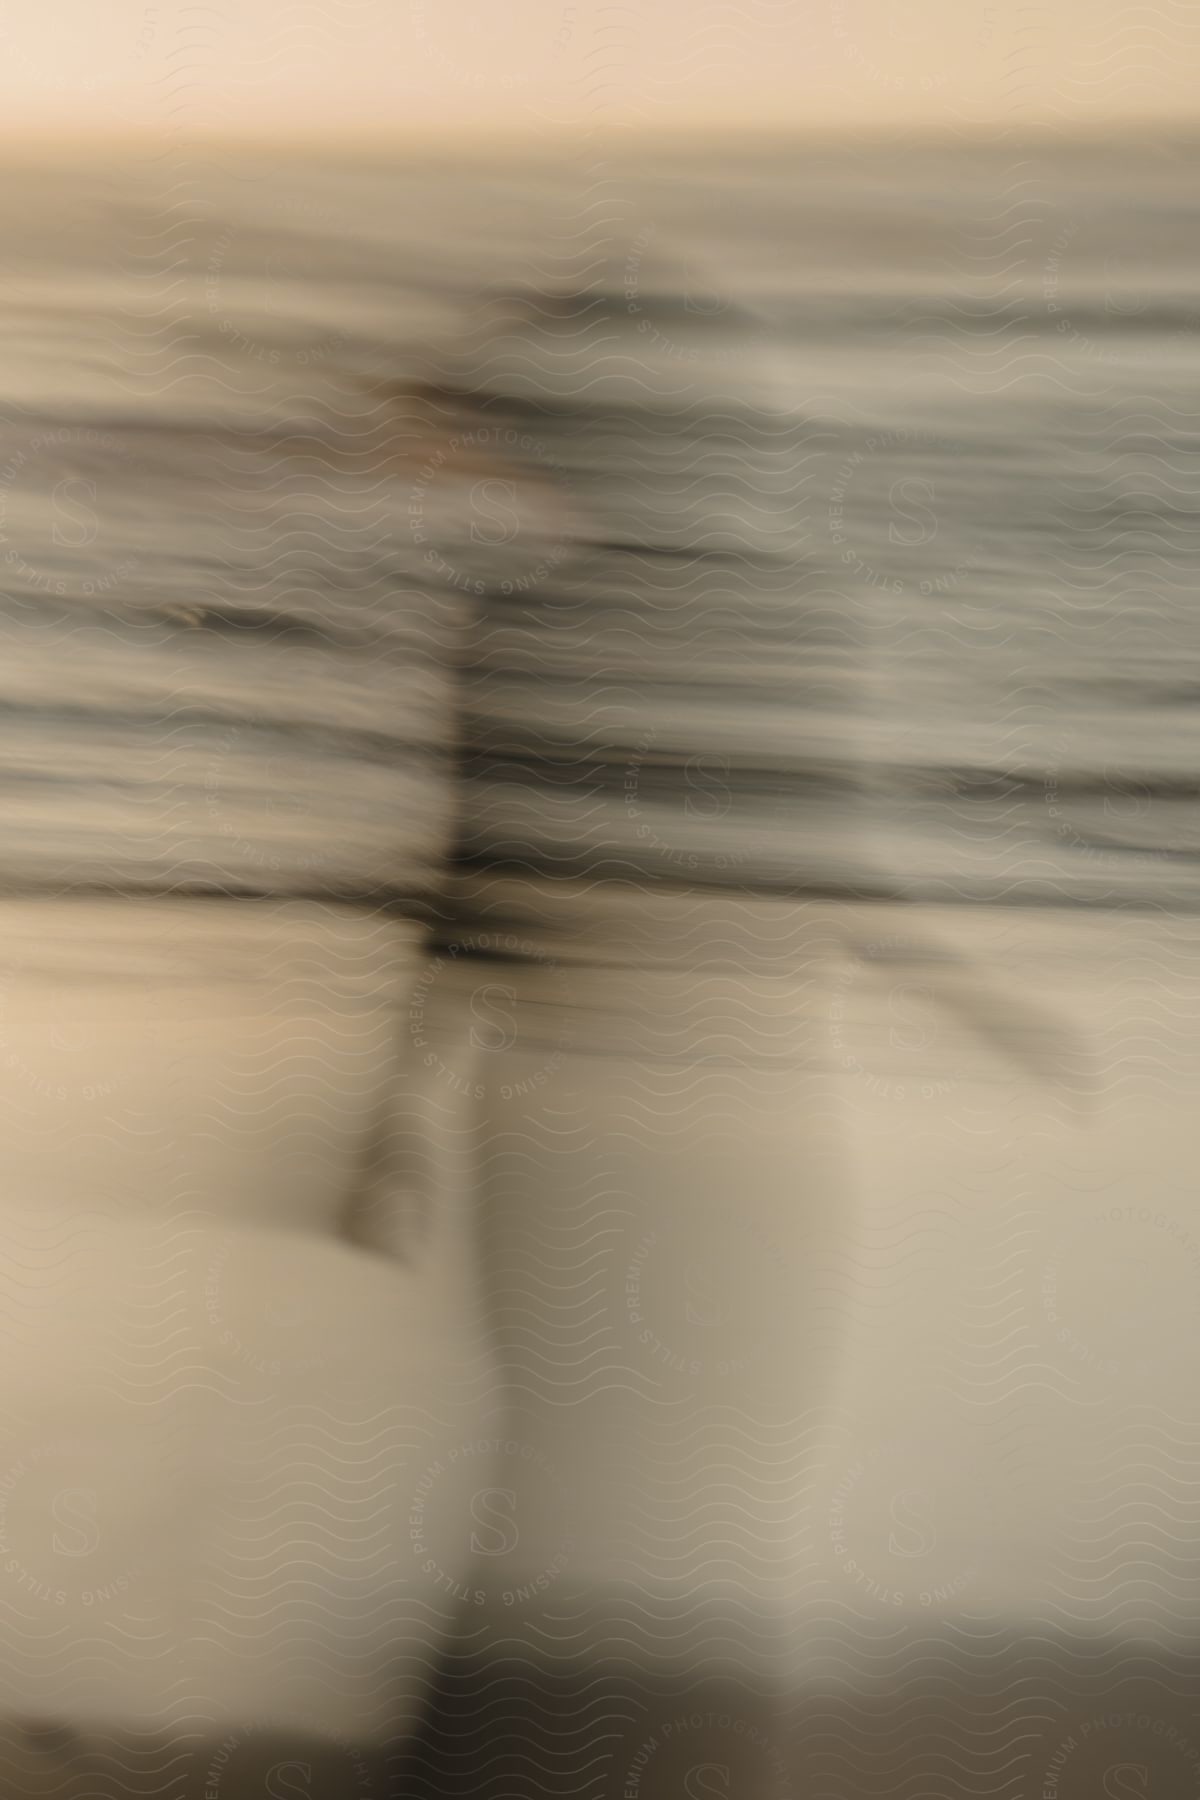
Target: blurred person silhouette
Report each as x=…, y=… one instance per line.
x=570, y=551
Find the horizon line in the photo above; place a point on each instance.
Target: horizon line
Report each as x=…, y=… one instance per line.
x=1153, y=130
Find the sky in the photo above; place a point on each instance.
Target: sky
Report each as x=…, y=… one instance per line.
x=492, y=69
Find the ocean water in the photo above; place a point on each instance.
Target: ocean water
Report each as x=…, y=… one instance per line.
x=822, y=522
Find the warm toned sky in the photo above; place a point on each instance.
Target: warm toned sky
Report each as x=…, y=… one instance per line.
x=539, y=66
